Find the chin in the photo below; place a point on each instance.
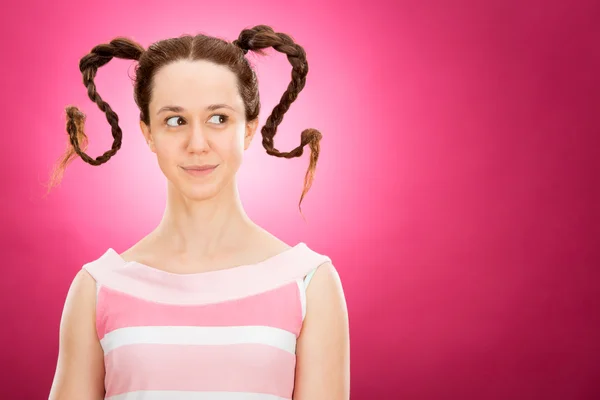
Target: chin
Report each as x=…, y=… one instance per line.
x=199, y=191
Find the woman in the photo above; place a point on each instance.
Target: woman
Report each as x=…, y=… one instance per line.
x=208, y=305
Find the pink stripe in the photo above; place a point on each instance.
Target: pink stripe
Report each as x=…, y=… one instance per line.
x=278, y=308
x=250, y=368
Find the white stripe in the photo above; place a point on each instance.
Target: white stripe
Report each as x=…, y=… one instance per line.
x=97, y=291
x=181, y=395
x=302, y=291
x=200, y=335
x=309, y=277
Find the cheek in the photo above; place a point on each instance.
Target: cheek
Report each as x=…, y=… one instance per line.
x=231, y=147
x=166, y=155
x=228, y=150
x=164, y=149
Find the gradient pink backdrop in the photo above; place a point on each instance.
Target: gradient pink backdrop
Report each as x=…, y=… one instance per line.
x=457, y=192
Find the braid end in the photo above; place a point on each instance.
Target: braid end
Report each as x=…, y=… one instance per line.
x=312, y=137
x=75, y=125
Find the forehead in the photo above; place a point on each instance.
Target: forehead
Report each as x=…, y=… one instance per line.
x=195, y=84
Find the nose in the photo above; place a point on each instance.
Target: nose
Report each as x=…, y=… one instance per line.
x=197, y=140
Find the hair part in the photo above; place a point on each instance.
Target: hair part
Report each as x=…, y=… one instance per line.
x=193, y=48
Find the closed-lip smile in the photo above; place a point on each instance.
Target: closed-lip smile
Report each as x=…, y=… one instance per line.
x=203, y=167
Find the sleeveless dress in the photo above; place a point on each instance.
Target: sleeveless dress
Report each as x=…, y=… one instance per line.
x=221, y=335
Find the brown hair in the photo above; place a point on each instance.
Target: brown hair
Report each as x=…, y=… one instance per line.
x=198, y=47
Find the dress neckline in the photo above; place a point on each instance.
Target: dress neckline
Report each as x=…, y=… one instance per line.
x=270, y=260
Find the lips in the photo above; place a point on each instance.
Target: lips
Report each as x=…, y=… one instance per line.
x=199, y=167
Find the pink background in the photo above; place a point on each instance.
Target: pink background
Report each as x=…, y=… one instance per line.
x=457, y=192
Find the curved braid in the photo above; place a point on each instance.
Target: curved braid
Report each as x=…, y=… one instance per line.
x=263, y=36
x=100, y=55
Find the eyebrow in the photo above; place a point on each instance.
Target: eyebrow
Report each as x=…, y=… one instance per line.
x=211, y=107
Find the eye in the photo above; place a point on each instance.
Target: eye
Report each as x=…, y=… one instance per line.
x=221, y=119
x=176, y=119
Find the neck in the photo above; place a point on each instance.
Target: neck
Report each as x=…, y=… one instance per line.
x=201, y=228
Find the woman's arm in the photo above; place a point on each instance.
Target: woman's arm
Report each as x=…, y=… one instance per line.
x=80, y=368
x=323, y=348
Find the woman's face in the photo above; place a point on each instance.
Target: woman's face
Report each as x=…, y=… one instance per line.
x=197, y=118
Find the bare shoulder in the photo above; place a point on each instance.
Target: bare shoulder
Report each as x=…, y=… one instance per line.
x=83, y=286
x=326, y=281
x=326, y=301
x=269, y=244
x=323, y=350
x=262, y=246
x=80, y=301
x=135, y=252
x=80, y=366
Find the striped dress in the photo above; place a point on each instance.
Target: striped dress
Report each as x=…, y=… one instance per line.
x=220, y=335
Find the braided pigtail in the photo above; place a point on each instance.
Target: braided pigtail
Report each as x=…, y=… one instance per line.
x=261, y=37
x=100, y=55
